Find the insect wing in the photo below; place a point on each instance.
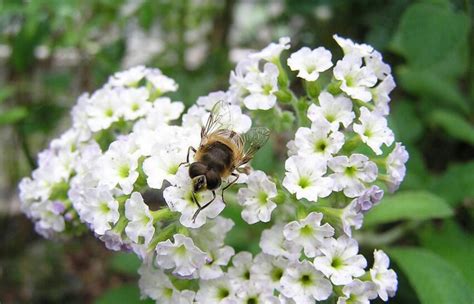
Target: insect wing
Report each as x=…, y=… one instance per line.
x=219, y=119
x=253, y=140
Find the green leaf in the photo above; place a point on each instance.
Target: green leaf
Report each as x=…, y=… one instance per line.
x=454, y=124
x=428, y=33
x=428, y=84
x=127, y=263
x=456, y=184
x=442, y=240
x=434, y=279
x=128, y=293
x=13, y=115
x=408, y=205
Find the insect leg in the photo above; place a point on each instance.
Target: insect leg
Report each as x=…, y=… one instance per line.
x=195, y=200
x=207, y=204
x=229, y=184
x=187, y=156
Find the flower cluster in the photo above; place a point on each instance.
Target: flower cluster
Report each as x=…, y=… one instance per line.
x=96, y=119
x=121, y=171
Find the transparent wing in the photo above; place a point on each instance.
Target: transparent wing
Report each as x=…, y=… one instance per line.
x=219, y=119
x=253, y=140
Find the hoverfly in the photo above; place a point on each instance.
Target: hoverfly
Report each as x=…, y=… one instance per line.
x=221, y=152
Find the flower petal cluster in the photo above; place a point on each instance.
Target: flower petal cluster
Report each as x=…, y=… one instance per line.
x=122, y=171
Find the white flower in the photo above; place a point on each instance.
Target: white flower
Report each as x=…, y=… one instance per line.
x=218, y=291
x=380, y=94
x=130, y=77
x=211, y=99
x=273, y=242
x=101, y=210
x=103, y=109
x=384, y=278
x=164, y=108
x=160, y=82
x=351, y=173
x=48, y=218
x=232, y=118
x=119, y=166
x=134, y=103
x=340, y=261
x=29, y=194
x=309, y=233
x=79, y=117
x=356, y=80
x=249, y=293
x=261, y=87
x=154, y=283
x=179, y=198
x=238, y=78
x=395, y=165
x=309, y=63
x=195, y=117
x=113, y=241
x=218, y=257
x=349, y=47
x=358, y=292
x=272, y=52
x=319, y=140
x=182, y=255
x=304, y=177
x=140, y=227
x=373, y=130
x=368, y=199
x=239, y=272
x=256, y=198
x=238, y=122
x=162, y=166
x=336, y=110
x=351, y=218
x=212, y=234
x=267, y=271
x=285, y=300
x=374, y=62
x=304, y=283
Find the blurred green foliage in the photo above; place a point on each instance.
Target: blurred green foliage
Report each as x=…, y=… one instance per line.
x=52, y=51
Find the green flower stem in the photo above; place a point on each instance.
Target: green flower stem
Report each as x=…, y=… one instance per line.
x=352, y=143
x=301, y=212
x=59, y=191
x=122, y=199
x=283, y=95
x=68, y=204
x=313, y=88
x=361, y=103
x=365, y=277
x=380, y=161
x=334, y=87
x=338, y=291
x=282, y=76
x=280, y=198
x=384, y=178
x=183, y=230
x=331, y=215
x=163, y=214
x=163, y=235
x=121, y=224
x=300, y=107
